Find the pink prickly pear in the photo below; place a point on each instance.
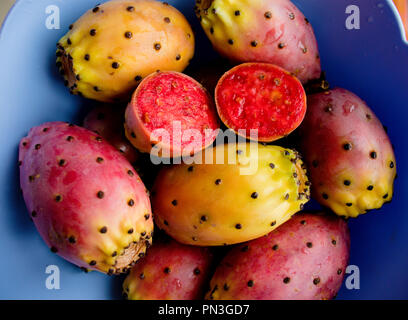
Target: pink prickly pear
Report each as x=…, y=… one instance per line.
x=349, y=155
x=108, y=122
x=170, y=271
x=86, y=201
x=273, y=31
x=303, y=259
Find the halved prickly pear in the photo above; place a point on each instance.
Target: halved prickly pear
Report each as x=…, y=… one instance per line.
x=349, y=155
x=84, y=197
x=304, y=259
x=171, y=114
x=273, y=31
x=113, y=46
x=261, y=97
x=170, y=271
x=244, y=193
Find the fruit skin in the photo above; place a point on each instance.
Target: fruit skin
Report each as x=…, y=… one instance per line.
x=170, y=271
x=218, y=204
x=304, y=259
x=145, y=114
x=352, y=167
x=107, y=121
x=263, y=97
x=84, y=197
x=273, y=31
x=112, y=47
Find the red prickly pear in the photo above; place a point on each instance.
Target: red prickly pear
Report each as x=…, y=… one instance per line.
x=170, y=271
x=273, y=31
x=349, y=155
x=86, y=201
x=107, y=121
x=304, y=259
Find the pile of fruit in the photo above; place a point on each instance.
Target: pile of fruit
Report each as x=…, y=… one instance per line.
x=95, y=195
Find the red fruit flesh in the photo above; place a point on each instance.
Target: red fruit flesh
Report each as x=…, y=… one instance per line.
x=170, y=271
x=165, y=100
x=303, y=259
x=263, y=97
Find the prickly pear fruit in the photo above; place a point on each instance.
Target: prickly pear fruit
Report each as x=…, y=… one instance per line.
x=246, y=192
x=350, y=157
x=273, y=31
x=84, y=197
x=304, y=259
x=113, y=46
x=171, y=115
x=261, y=97
x=107, y=121
x=170, y=271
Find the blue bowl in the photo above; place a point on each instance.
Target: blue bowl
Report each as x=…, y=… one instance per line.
x=371, y=61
